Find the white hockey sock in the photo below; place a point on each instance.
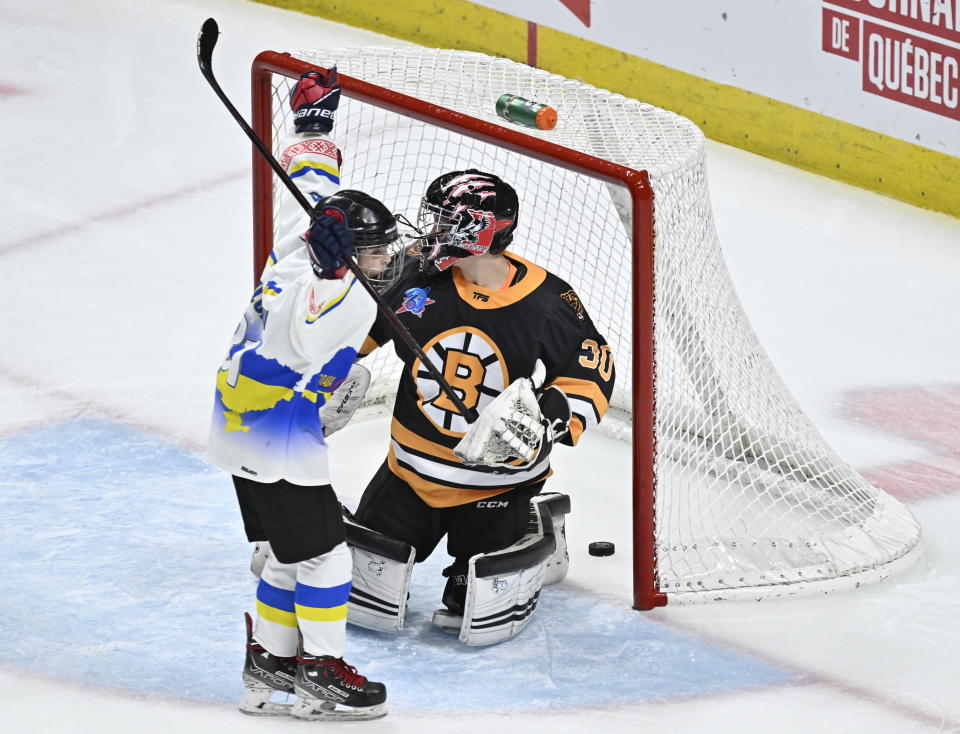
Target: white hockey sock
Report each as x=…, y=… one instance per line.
x=276, y=626
x=322, y=591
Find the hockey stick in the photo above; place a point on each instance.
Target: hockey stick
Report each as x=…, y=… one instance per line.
x=205, y=44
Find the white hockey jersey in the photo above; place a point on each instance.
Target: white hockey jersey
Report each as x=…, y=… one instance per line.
x=298, y=339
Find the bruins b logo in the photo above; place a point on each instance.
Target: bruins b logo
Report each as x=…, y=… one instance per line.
x=472, y=364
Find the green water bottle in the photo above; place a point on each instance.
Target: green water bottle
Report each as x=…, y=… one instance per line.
x=526, y=112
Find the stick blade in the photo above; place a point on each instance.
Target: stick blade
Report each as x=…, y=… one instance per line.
x=207, y=39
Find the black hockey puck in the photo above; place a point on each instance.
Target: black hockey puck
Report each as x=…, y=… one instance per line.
x=600, y=548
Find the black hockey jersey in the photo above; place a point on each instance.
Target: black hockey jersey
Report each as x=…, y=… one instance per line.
x=481, y=340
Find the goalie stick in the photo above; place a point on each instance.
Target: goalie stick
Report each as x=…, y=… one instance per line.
x=205, y=44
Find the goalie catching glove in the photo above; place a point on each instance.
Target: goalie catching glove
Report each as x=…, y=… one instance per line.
x=518, y=424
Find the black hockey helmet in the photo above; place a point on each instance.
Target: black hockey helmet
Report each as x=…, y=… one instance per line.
x=465, y=213
x=374, y=227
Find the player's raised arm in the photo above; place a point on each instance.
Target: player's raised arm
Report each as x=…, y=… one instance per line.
x=308, y=154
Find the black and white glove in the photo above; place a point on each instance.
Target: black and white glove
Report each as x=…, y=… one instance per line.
x=518, y=424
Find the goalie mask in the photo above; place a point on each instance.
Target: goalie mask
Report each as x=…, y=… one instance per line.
x=465, y=213
x=376, y=243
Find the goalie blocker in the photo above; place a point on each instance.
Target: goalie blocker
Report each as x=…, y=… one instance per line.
x=503, y=587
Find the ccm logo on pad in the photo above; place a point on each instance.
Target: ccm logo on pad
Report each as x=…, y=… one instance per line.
x=493, y=503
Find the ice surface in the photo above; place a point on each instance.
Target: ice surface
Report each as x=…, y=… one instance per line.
x=125, y=262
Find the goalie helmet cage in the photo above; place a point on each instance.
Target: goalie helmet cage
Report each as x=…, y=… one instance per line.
x=735, y=493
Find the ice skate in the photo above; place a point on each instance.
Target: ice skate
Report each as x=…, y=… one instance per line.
x=264, y=675
x=450, y=617
x=329, y=689
x=448, y=621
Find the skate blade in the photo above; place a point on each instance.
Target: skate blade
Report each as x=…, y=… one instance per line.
x=316, y=710
x=257, y=702
x=447, y=621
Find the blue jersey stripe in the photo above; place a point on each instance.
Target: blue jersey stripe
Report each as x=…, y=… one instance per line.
x=319, y=171
x=268, y=371
x=275, y=597
x=323, y=598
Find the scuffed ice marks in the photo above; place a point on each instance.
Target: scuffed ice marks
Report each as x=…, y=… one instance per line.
x=124, y=563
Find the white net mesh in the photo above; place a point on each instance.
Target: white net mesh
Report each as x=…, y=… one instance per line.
x=750, y=499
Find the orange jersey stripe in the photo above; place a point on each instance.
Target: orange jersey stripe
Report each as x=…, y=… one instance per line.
x=583, y=388
x=575, y=428
x=406, y=437
x=368, y=346
x=439, y=495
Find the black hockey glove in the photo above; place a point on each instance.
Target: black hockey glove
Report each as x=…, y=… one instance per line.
x=554, y=414
x=329, y=243
x=314, y=101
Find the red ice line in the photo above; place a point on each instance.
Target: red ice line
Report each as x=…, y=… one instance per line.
x=929, y=416
x=121, y=212
x=69, y=397
x=9, y=90
x=87, y=407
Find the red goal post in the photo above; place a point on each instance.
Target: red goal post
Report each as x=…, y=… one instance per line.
x=735, y=494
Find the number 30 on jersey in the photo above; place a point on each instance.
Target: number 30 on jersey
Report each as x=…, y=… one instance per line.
x=598, y=358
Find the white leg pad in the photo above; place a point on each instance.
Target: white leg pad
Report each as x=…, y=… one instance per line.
x=261, y=552
x=382, y=568
x=559, y=563
x=503, y=587
x=498, y=607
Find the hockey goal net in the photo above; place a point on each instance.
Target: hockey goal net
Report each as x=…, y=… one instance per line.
x=735, y=493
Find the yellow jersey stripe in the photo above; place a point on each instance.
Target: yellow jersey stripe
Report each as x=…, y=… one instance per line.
x=278, y=616
x=583, y=388
x=300, y=165
x=322, y=614
x=248, y=394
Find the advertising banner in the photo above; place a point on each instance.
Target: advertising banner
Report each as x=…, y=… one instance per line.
x=889, y=66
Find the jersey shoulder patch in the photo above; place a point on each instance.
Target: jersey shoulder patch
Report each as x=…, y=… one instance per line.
x=560, y=295
x=572, y=300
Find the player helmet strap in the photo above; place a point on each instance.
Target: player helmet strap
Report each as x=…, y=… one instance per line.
x=465, y=213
